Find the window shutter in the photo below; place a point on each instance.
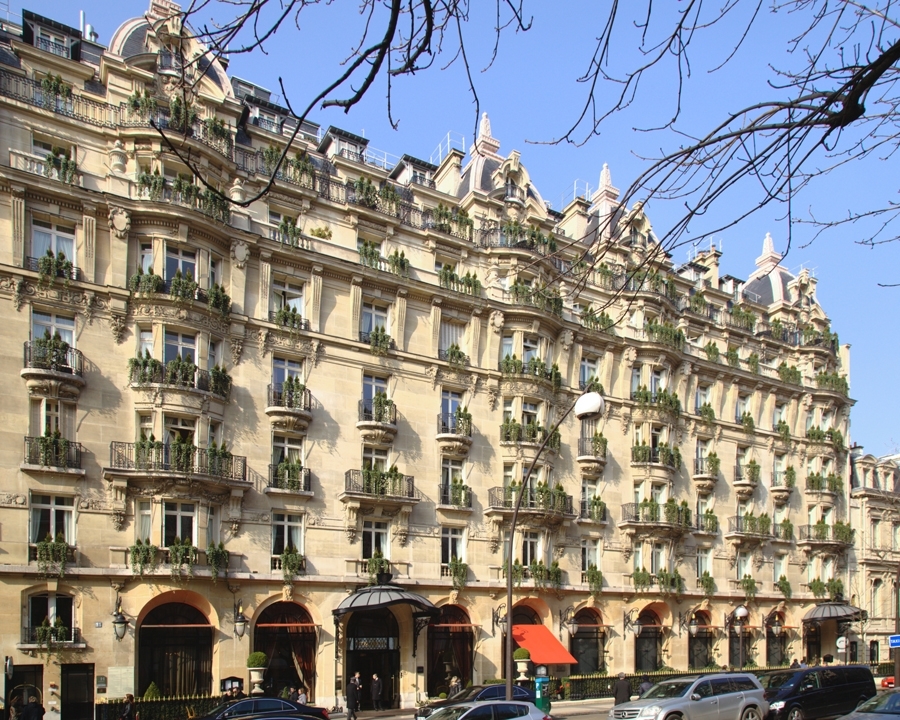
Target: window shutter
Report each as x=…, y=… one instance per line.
x=37, y=425
x=67, y=421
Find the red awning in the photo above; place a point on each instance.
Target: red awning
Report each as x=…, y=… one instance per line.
x=544, y=648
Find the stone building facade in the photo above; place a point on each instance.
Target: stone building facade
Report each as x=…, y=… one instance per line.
x=223, y=412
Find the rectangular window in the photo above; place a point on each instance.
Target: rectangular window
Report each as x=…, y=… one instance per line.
x=587, y=372
x=779, y=567
x=142, y=525
x=50, y=606
x=451, y=544
x=508, y=409
x=704, y=561
x=895, y=537
x=742, y=564
x=375, y=539
x=145, y=257
x=637, y=555
x=657, y=558
x=450, y=402
x=657, y=381
x=179, y=521
x=590, y=554
x=58, y=239
x=282, y=369
x=287, y=295
x=212, y=525
x=530, y=349
x=180, y=345
x=701, y=397
x=506, y=347
x=779, y=414
x=214, y=270
x=287, y=449
x=181, y=429
x=146, y=343
x=740, y=407
x=372, y=385
x=509, y=476
x=531, y=547
x=530, y=412
x=179, y=259
x=51, y=416
x=635, y=379
x=43, y=324
x=287, y=532
x=373, y=316
x=52, y=516
x=451, y=334
x=374, y=459
x=451, y=471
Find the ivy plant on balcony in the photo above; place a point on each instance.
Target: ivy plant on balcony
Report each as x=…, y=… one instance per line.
x=154, y=184
x=53, y=450
x=816, y=434
x=538, y=572
x=183, y=287
x=148, y=452
x=459, y=573
x=670, y=583
x=216, y=128
x=748, y=585
x=747, y=423
x=143, y=557
x=784, y=586
x=366, y=192
x=670, y=511
x=288, y=231
x=511, y=365
x=783, y=430
x=707, y=584
x=787, y=529
x=518, y=571
x=709, y=521
x=293, y=393
x=713, y=464
x=182, y=115
x=381, y=407
x=837, y=438
x=510, y=493
x=790, y=477
x=66, y=169
x=142, y=104
x=144, y=369
x=182, y=454
x=302, y=166
x=752, y=471
x=732, y=357
x=712, y=351
x=790, y=374
x=52, y=555
x=743, y=318
x=843, y=532
x=641, y=579
x=218, y=459
x=292, y=563
x=599, y=445
x=459, y=493
x=666, y=334
x=698, y=303
x=456, y=358
x=532, y=431
x=510, y=430
x=398, y=263
x=594, y=580
x=593, y=320
x=670, y=455
x=49, y=636
x=182, y=558
x=834, y=483
x=379, y=341
x=560, y=499
x=649, y=510
x=817, y=587
x=764, y=524
x=146, y=284
x=597, y=508
x=642, y=396
x=51, y=266
x=463, y=420
x=377, y=564
x=820, y=530
x=707, y=414
x=815, y=482
x=668, y=402
x=181, y=371
x=543, y=495
x=554, y=576
x=270, y=157
x=289, y=475
x=641, y=453
x=289, y=318
x=834, y=382
x=834, y=587
x=554, y=442
x=216, y=560
x=537, y=367
x=219, y=300
x=219, y=381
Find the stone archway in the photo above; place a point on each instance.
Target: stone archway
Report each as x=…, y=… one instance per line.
x=285, y=632
x=451, y=649
x=648, y=644
x=175, y=650
x=588, y=644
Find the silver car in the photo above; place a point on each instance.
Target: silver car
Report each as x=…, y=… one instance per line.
x=717, y=696
x=489, y=710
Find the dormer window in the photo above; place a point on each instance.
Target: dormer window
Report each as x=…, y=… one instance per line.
x=52, y=42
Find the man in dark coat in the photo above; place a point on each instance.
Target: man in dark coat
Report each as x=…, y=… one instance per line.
x=622, y=690
x=33, y=710
x=376, y=692
x=353, y=688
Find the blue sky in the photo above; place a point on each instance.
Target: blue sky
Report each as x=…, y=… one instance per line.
x=531, y=94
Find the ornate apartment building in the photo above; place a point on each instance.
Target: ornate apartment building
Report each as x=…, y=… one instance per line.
x=222, y=419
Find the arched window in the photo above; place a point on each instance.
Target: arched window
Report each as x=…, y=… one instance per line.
x=587, y=645
x=450, y=649
x=286, y=634
x=648, y=644
x=175, y=651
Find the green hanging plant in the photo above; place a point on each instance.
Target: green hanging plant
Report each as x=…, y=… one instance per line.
x=292, y=564
x=143, y=557
x=182, y=558
x=52, y=555
x=594, y=579
x=217, y=560
x=784, y=586
x=459, y=573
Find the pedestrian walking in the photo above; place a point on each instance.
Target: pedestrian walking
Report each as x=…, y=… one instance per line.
x=128, y=708
x=455, y=687
x=33, y=710
x=376, y=692
x=645, y=684
x=622, y=690
x=302, y=697
x=353, y=689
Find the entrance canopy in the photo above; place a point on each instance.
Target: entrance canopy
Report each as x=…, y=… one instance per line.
x=545, y=649
x=376, y=597
x=833, y=610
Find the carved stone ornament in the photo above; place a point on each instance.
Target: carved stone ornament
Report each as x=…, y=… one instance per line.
x=237, y=347
x=240, y=253
x=565, y=339
x=118, y=157
x=496, y=321
x=117, y=326
x=350, y=522
x=119, y=222
x=118, y=519
x=287, y=592
x=492, y=397
x=236, y=191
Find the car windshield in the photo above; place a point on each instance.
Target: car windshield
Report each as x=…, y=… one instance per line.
x=777, y=680
x=451, y=712
x=215, y=712
x=467, y=693
x=887, y=703
x=667, y=690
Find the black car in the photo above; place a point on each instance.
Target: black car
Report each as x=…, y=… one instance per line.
x=263, y=707
x=818, y=692
x=477, y=693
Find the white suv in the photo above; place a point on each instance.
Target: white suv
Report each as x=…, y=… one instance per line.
x=717, y=696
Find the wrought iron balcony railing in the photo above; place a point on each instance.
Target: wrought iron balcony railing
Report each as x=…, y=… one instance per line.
x=43, y=354
x=49, y=451
x=289, y=476
x=183, y=459
x=379, y=483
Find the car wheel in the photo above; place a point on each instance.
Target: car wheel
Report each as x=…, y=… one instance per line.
x=751, y=713
x=675, y=716
x=795, y=714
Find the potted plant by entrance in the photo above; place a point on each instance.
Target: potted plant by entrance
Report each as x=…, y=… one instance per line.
x=256, y=664
x=522, y=656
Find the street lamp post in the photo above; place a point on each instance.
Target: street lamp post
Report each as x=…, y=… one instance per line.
x=740, y=615
x=587, y=407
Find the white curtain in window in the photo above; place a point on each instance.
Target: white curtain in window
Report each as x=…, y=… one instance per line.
x=293, y=536
x=144, y=520
x=36, y=525
x=451, y=334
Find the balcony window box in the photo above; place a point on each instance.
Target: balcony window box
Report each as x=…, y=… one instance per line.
x=143, y=557
x=592, y=455
x=183, y=288
x=288, y=405
x=708, y=522
x=454, y=356
x=288, y=317
x=377, y=419
x=53, y=452
x=593, y=509
x=289, y=476
x=182, y=557
x=150, y=456
x=456, y=495
x=454, y=432
x=146, y=284
x=380, y=343
x=218, y=300
x=706, y=472
x=384, y=484
x=52, y=266
x=219, y=382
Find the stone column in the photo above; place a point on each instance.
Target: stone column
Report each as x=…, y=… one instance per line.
x=18, y=226
x=314, y=301
x=265, y=285
x=89, y=249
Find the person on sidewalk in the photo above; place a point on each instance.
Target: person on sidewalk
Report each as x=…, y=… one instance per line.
x=376, y=692
x=302, y=697
x=622, y=690
x=33, y=710
x=645, y=684
x=353, y=689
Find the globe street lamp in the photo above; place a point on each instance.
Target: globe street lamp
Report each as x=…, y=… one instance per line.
x=587, y=407
x=740, y=616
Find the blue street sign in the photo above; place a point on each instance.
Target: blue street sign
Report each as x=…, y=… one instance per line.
x=894, y=641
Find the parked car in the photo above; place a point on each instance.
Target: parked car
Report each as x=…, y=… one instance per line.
x=717, y=696
x=264, y=707
x=489, y=710
x=887, y=682
x=887, y=704
x=476, y=693
x=819, y=692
